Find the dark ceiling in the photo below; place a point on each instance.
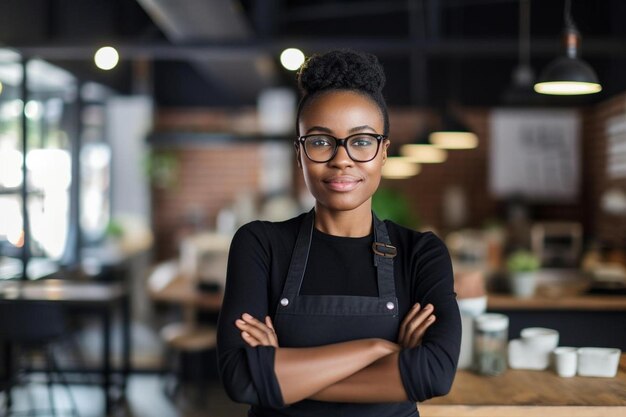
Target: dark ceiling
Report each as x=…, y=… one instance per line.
x=433, y=51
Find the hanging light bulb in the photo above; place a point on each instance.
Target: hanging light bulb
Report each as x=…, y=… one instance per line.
x=568, y=75
x=106, y=58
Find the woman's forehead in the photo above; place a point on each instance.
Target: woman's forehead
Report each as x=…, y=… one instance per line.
x=341, y=110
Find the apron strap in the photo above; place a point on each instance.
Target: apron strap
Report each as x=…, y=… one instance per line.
x=384, y=252
x=299, y=258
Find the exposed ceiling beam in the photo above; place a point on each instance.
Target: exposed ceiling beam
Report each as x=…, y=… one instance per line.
x=484, y=48
x=242, y=76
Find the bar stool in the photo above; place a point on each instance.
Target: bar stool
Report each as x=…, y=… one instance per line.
x=185, y=341
x=182, y=339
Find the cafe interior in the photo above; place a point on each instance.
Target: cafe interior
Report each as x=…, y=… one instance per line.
x=137, y=136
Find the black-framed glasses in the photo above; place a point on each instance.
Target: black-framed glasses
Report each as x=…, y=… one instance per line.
x=361, y=147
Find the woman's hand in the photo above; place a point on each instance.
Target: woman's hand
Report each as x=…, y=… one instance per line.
x=256, y=333
x=415, y=324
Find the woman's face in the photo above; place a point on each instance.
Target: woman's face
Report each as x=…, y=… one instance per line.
x=342, y=184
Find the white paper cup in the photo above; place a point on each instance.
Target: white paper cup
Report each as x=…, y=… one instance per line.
x=565, y=361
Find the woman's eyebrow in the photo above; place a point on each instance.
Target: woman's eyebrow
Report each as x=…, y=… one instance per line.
x=351, y=130
x=319, y=128
x=359, y=128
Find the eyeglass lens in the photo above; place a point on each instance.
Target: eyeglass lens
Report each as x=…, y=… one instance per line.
x=361, y=148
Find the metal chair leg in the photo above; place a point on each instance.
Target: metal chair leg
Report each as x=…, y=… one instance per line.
x=55, y=368
x=49, y=382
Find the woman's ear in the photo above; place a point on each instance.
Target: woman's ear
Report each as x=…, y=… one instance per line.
x=296, y=146
x=386, y=144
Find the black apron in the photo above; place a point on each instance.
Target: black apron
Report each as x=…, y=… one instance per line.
x=315, y=320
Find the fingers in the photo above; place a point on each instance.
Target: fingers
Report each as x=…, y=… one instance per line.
x=407, y=319
x=273, y=336
x=415, y=324
x=256, y=331
x=249, y=339
x=416, y=336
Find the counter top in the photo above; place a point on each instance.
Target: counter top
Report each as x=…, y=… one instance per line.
x=531, y=393
x=566, y=302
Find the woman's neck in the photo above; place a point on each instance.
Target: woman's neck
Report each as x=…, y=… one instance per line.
x=351, y=223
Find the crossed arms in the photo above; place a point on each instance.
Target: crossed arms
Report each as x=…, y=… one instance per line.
x=363, y=370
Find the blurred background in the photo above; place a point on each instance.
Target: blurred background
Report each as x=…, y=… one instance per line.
x=136, y=136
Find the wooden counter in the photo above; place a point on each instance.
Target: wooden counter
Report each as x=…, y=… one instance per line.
x=518, y=393
x=580, y=302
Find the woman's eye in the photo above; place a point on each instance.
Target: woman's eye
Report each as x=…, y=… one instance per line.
x=361, y=141
x=319, y=142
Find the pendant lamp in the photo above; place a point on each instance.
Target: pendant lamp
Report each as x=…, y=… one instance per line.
x=398, y=167
x=521, y=91
x=568, y=75
x=422, y=151
x=453, y=134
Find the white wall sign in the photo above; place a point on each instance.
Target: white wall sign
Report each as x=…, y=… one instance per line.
x=535, y=154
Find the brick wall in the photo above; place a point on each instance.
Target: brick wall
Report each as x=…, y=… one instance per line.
x=603, y=226
x=208, y=178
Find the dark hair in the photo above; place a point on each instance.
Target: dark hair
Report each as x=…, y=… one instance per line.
x=342, y=69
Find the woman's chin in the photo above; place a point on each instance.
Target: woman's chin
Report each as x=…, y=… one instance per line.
x=341, y=203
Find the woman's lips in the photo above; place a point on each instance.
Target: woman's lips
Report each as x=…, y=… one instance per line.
x=342, y=183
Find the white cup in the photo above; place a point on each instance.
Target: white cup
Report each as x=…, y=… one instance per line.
x=565, y=360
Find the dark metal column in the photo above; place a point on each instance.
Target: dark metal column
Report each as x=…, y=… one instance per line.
x=25, y=222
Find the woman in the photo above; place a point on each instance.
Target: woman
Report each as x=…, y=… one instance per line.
x=334, y=312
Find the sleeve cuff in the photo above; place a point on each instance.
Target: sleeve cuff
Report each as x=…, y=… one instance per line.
x=261, y=362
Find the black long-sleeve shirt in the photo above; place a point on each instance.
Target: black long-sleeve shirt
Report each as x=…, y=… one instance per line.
x=257, y=267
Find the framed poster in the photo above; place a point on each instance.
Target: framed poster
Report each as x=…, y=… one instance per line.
x=535, y=155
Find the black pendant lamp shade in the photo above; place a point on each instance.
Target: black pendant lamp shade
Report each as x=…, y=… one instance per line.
x=422, y=151
x=453, y=134
x=568, y=75
x=398, y=167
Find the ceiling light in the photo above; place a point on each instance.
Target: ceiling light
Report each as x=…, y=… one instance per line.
x=453, y=134
x=422, y=151
x=521, y=91
x=292, y=58
x=397, y=167
x=106, y=58
x=568, y=75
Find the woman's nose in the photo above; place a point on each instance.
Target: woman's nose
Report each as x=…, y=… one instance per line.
x=341, y=157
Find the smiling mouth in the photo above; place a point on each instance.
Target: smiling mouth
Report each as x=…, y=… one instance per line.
x=342, y=184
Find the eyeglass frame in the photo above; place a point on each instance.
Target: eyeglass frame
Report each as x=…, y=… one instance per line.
x=340, y=142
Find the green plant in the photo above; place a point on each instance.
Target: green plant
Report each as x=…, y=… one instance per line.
x=393, y=205
x=114, y=229
x=161, y=167
x=522, y=261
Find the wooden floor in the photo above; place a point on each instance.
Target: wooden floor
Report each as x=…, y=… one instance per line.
x=146, y=398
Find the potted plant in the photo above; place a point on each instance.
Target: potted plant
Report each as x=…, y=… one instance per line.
x=522, y=266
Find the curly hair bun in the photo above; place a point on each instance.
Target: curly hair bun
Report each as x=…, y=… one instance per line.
x=342, y=69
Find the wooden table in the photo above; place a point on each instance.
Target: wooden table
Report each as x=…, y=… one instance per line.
x=167, y=285
x=184, y=292
x=95, y=298
x=518, y=393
